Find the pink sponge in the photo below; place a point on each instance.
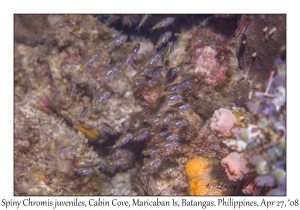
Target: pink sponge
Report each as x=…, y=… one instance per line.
x=222, y=122
x=235, y=166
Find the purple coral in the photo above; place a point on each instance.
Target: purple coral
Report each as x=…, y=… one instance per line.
x=222, y=122
x=235, y=166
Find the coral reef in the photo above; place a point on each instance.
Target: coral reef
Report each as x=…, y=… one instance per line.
x=102, y=108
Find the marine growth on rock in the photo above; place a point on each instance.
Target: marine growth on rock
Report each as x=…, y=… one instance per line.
x=149, y=104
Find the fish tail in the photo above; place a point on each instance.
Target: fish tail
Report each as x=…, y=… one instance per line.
x=138, y=28
x=164, y=63
x=150, y=29
x=111, y=149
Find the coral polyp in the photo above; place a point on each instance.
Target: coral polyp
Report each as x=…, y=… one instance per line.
x=105, y=107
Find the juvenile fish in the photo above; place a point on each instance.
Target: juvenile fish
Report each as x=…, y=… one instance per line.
x=172, y=88
x=101, y=97
x=125, y=128
x=138, y=79
x=164, y=119
x=84, y=171
x=141, y=135
x=115, y=41
x=152, y=119
x=151, y=151
x=125, y=63
x=181, y=106
x=151, y=61
x=128, y=59
x=163, y=39
x=107, y=128
x=184, y=85
x=176, y=87
x=125, y=138
x=135, y=49
x=117, y=162
x=64, y=150
x=156, y=71
x=84, y=112
x=172, y=136
x=167, y=52
x=178, y=122
x=160, y=132
x=171, y=75
x=174, y=97
x=167, y=144
x=143, y=20
x=163, y=23
x=112, y=69
x=89, y=61
x=151, y=162
x=72, y=91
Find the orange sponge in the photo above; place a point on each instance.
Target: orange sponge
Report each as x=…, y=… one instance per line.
x=89, y=132
x=198, y=168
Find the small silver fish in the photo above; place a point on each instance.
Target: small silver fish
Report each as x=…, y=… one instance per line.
x=156, y=71
x=150, y=151
x=181, y=106
x=171, y=88
x=64, y=150
x=163, y=39
x=115, y=41
x=84, y=112
x=163, y=23
x=143, y=20
x=150, y=163
x=112, y=69
x=172, y=136
x=172, y=75
x=151, y=61
x=141, y=135
x=84, y=171
x=160, y=132
x=152, y=119
x=178, y=122
x=72, y=91
x=167, y=144
x=184, y=85
x=89, y=61
x=164, y=119
x=107, y=128
x=174, y=97
x=135, y=49
x=125, y=138
x=167, y=52
x=101, y=97
x=117, y=162
x=138, y=79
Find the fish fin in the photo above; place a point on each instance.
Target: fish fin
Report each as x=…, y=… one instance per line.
x=138, y=28
x=150, y=29
x=111, y=149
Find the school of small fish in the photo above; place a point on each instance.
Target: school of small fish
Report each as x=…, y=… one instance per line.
x=157, y=126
